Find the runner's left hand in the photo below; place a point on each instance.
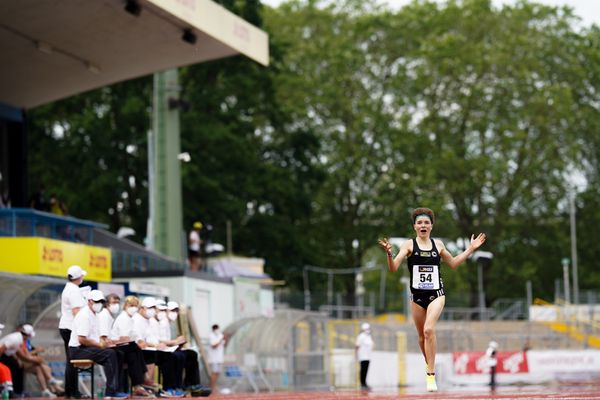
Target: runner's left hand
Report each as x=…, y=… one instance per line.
x=476, y=242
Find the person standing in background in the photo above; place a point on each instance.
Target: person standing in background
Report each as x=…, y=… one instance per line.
x=71, y=302
x=194, y=244
x=216, y=354
x=38, y=200
x=364, y=349
x=492, y=362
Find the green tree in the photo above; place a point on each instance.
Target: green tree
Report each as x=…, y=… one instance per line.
x=472, y=110
x=91, y=151
x=251, y=164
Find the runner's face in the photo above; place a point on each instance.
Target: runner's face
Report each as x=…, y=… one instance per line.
x=423, y=226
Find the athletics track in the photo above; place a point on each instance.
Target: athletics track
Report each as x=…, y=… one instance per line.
x=583, y=391
x=525, y=393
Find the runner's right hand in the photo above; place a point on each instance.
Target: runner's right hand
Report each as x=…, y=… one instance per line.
x=385, y=244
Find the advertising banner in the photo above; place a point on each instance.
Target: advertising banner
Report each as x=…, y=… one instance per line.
x=509, y=362
x=42, y=256
x=247, y=297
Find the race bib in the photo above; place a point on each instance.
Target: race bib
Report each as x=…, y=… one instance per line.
x=426, y=277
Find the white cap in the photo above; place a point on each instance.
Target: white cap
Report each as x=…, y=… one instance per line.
x=172, y=305
x=75, y=272
x=149, y=302
x=365, y=326
x=493, y=345
x=160, y=304
x=28, y=330
x=95, y=295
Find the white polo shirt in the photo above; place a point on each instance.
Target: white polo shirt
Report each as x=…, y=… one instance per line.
x=153, y=335
x=13, y=343
x=85, y=324
x=123, y=326
x=144, y=329
x=365, y=344
x=164, y=329
x=194, y=241
x=105, y=322
x=71, y=298
x=216, y=355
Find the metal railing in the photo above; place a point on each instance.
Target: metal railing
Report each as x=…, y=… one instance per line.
x=510, y=309
x=27, y=222
x=126, y=263
x=15, y=222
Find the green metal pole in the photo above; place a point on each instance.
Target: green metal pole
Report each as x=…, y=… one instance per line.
x=166, y=229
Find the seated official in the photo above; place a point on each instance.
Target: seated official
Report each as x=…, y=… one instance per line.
x=9, y=346
x=188, y=357
x=146, y=334
x=35, y=364
x=6, y=384
x=127, y=350
x=85, y=343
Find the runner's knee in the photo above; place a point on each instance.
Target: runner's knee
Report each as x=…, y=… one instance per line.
x=428, y=332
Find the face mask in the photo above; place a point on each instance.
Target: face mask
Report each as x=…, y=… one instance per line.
x=131, y=311
x=150, y=313
x=161, y=316
x=172, y=315
x=97, y=307
x=114, y=308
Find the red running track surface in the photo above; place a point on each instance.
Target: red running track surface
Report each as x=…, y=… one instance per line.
x=525, y=393
x=581, y=392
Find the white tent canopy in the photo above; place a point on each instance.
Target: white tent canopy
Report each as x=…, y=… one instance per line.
x=15, y=289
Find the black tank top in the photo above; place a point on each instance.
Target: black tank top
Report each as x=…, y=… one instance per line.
x=424, y=269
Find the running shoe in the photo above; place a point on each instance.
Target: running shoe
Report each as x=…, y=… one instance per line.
x=48, y=393
x=139, y=391
x=117, y=395
x=431, y=385
x=55, y=382
x=169, y=393
x=199, y=391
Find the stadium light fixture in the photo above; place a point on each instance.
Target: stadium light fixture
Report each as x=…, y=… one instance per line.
x=93, y=68
x=43, y=47
x=189, y=36
x=133, y=7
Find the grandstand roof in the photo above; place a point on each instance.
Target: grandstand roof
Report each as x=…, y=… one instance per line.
x=54, y=49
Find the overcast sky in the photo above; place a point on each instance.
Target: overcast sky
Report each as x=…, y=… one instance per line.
x=588, y=10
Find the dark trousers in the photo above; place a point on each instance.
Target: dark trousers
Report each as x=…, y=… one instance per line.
x=71, y=388
x=192, y=369
x=171, y=368
x=493, y=377
x=188, y=370
x=149, y=356
x=364, y=368
x=132, y=355
x=107, y=358
x=15, y=370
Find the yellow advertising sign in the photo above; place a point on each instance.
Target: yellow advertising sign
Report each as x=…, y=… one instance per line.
x=34, y=255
